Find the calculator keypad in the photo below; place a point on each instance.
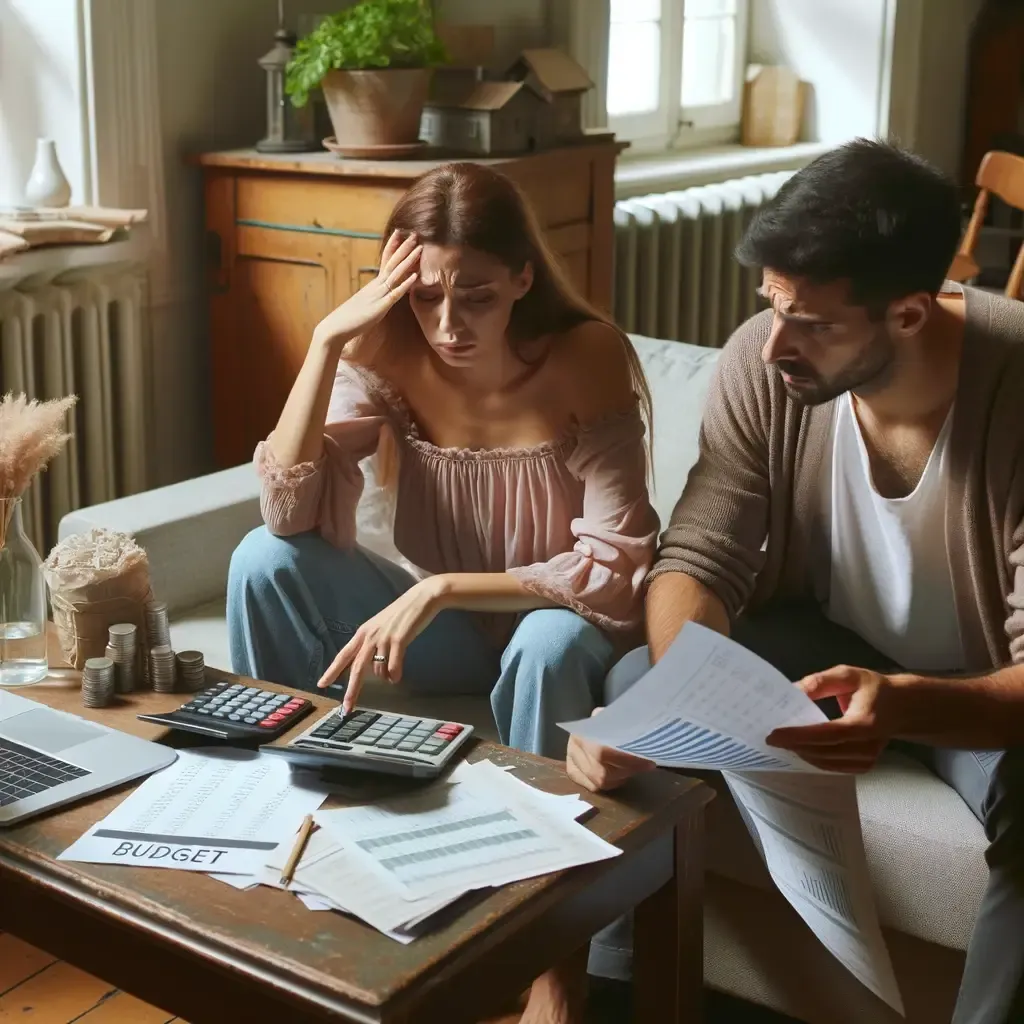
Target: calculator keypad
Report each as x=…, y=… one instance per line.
x=246, y=706
x=367, y=730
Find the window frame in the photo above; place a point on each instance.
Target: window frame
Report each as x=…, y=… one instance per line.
x=673, y=126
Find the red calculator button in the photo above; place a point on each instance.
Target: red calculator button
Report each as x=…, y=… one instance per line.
x=452, y=728
x=275, y=717
x=295, y=704
x=267, y=724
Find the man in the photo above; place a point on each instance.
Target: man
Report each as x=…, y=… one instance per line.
x=856, y=511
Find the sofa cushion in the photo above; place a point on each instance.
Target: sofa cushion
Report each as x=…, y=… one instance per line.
x=758, y=948
x=925, y=850
x=203, y=628
x=679, y=375
x=188, y=529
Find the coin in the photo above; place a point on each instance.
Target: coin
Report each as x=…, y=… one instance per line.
x=97, y=683
x=191, y=671
x=161, y=668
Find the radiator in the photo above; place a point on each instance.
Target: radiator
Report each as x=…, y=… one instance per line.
x=81, y=334
x=675, y=276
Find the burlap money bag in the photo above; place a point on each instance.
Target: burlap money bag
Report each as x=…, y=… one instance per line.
x=96, y=580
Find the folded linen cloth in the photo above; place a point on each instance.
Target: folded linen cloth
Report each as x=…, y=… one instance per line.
x=22, y=228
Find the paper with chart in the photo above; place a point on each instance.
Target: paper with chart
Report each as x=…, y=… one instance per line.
x=807, y=829
x=481, y=831
x=345, y=879
x=709, y=704
x=213, y=810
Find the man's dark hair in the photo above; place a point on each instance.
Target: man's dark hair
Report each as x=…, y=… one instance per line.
x=867, y=211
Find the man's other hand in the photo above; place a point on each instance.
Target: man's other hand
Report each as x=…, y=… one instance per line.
x=870, y=706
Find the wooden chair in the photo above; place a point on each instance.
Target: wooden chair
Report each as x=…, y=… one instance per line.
x=1001, y=174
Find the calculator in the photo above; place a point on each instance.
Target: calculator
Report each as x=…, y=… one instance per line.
x=377, y=741
x=233, y=711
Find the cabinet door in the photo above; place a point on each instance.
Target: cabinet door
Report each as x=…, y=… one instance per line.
x=365, y=262
x=278, y=303
x=572, y=249
x=572, y=193
x=269, y=289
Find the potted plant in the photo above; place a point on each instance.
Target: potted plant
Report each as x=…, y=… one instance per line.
x=373, y=61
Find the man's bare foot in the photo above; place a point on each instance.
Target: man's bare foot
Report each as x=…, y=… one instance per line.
x=559, y=996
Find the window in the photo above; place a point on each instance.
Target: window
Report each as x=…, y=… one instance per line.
x=675, y=70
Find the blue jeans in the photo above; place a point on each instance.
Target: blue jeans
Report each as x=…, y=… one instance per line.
x=294, y=602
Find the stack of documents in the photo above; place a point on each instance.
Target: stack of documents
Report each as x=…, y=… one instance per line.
x=709, y=704
x=396, y=863
x=234, y=814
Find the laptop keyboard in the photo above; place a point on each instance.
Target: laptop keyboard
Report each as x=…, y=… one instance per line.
x=25, y=772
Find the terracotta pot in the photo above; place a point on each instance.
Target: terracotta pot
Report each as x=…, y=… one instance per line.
x=377, y=108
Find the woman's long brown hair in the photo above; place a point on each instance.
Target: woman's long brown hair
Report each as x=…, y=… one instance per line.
x=467, y=204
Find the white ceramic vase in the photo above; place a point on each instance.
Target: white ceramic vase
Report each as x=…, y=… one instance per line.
x=47, y=185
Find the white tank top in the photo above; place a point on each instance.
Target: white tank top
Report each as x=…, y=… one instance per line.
x=891, y=580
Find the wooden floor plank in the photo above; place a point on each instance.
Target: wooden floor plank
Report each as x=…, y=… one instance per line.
x=18, y=961
x=56, y=995
x=122, y=1008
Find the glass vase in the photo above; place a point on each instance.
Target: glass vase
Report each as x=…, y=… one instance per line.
x=22, y=603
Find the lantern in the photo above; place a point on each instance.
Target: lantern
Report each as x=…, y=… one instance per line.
x=289, y=128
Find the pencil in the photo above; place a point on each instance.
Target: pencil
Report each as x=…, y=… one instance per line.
x=296, y=854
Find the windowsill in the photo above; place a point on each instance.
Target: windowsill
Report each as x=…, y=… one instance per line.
x=643, y=174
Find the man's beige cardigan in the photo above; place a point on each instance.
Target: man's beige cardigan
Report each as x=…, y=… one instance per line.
x=757, y=475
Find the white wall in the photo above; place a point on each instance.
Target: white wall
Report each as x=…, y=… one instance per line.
x=42, y=84
x=927, y=113
x=835, y=45
x=517, y=23
x=889, y=67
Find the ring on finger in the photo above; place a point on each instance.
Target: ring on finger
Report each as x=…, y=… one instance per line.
x=379, y=659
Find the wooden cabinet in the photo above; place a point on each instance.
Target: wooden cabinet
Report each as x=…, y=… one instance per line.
x=291, y=237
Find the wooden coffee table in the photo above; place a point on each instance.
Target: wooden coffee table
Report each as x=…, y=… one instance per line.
x=211, y=954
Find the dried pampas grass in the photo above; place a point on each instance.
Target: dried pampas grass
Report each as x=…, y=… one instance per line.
x=31, y=433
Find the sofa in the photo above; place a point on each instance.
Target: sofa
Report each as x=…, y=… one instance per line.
x=924, y=847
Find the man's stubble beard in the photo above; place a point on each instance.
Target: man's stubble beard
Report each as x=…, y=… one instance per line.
x=869, y=373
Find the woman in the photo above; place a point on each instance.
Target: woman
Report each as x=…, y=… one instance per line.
x=507, y=418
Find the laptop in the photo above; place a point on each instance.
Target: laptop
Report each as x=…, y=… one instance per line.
x=48, y=758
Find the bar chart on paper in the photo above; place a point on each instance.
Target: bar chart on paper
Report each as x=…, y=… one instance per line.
x=682, y=743
x=828, y=888
x=414, y=854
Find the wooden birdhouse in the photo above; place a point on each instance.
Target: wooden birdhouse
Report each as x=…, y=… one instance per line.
x=554, y=77
x=484, y=119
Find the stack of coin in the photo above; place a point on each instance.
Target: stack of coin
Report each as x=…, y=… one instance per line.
x=158, y=632
x=161, y=668
x=124, y=655
x=98, y=683
x=191, y=671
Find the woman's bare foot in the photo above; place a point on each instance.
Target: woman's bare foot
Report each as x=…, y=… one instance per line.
x=559, y=996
